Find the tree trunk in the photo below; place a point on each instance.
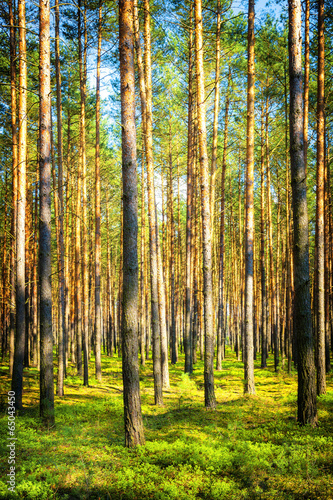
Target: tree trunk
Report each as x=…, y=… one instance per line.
x=320, y=267
x=17, y=379
x=210, y=401
x=62, y=286
x=12, y=36
x=132, y=403
x=188, y=333
x=249, y=387
x=221, y=326
x=152, y=216
x=98, y=210
x=307, y=406
x=264, y=353
x=46, y=340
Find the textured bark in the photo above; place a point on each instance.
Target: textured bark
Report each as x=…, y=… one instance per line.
x=12, y=37
x=171, y=256
x=221, y=326
x=46, y=340
x=210, y=401
x=249, y=387
x=62, y=286
x=306, y=79
x=307, y=406
x=98, y=210
x=320, y=264
x=216, y=113
x=272, y=281
x=84, y=248
x=152, y=216
x=264, y=352
x=188, y=333
x=17, y=379
x=142, y=269
x=132, y=403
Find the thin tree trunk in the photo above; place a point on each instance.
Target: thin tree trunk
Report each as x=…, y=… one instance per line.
x=46, y=340
x=210, y=401
x=157, y=368
x=188, y=333
x=307, y=406
x=98, y=210
x=264, y=353
x=320, y=267
x=132, y=403
x=62, y=286
x=249, y=387
x=221, y=326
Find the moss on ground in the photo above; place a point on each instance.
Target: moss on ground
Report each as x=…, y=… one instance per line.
x=248, y=448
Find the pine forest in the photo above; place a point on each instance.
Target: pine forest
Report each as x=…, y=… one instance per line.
x=166, y=249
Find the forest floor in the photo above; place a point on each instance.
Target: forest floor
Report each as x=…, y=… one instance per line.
x=248, y=448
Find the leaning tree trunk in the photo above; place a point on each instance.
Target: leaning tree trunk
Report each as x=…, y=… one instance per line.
x=307, y=405
x=46, y=340
x=249, y=387
x=210, y=401
x=132, y=402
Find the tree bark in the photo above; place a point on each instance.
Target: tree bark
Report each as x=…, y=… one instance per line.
x=249, y=387
x=62, y=286
x=46, y=340
x=210, y=401
x=17, y=379
x=98, y=209
x=12, y=36
x=132, y=403
x=320, y=267
x=307, y=406
x=188, y=333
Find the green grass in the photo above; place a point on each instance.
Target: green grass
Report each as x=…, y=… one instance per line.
x=248, y=448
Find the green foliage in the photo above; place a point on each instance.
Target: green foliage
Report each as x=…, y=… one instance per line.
x=249, y=448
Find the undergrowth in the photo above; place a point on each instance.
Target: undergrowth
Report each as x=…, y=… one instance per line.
x=248, y=448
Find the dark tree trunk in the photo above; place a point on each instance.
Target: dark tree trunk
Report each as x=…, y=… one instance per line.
x=307, y=406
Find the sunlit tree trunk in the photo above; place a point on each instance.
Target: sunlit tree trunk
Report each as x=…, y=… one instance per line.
x=12, y=37
x=132, y=403
x=188, y=334
x=210, y=401
x=249, y=387
x=307, y=406
x=46, y=340
x=306, y=79
x=221, y=326
x=157, y=368
x=62, y=329
x=98, y=210
x=17, y=379
x=262, y=247
x=320, y=267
